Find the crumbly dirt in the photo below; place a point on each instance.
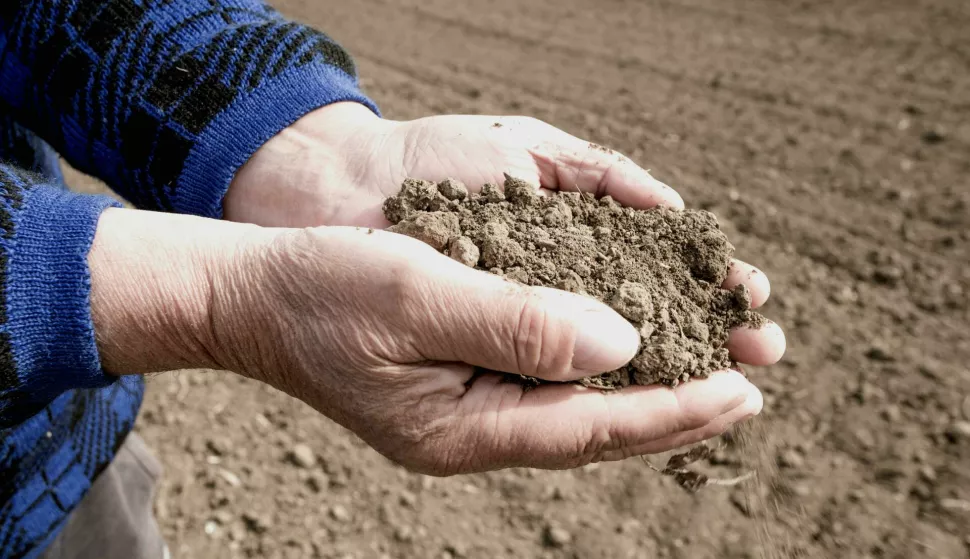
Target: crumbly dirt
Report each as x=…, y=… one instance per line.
x=805, y=126
x=660, y=269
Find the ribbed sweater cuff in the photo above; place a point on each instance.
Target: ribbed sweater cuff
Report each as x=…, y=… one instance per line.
x=48, y=291
x=235, y=135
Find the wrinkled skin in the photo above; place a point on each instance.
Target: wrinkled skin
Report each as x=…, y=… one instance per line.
x=382, y=334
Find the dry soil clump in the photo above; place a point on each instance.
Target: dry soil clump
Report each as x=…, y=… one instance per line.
x=660, y=269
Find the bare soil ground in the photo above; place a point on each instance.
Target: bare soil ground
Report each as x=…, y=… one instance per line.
x=832, y=139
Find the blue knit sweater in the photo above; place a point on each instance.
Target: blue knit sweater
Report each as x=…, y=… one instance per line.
x=164, y=100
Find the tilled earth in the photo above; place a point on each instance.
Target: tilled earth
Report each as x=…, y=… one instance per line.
x=831, y=138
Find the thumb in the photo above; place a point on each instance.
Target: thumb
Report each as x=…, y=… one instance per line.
x=488, y=321
x=568, y=163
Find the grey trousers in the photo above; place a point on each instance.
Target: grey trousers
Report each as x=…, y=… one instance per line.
x=115, y=519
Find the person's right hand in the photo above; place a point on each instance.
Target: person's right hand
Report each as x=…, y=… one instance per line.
x=381, y=333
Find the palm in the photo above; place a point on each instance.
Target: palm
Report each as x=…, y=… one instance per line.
x=480, y=149
x=474, y=150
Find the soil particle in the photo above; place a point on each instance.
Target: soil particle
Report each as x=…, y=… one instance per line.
x=218, y=446
x=955, y=504
x=434, y=228
x=791, y=458
x=520, y=192
x=879, y=352
x=256, y=523
x=491, y=193
x=933, y=136
x=464, y=251
x=556, y=537
x=339, y=513
x=404, y=534
x=453, y=189
x=302, y=456
x=660, y=269
x=892, y=413
x=415, y=195
x=407, y=499
x=959, y=431
x=317, y=482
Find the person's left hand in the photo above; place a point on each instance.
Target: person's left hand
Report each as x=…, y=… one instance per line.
x=336, y=165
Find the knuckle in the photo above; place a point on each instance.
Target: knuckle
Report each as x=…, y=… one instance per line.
x=602, y=439
x=425, y=449
x=689, y=417
x=543, y=345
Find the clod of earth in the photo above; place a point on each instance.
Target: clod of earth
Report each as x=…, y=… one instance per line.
x=660, y=269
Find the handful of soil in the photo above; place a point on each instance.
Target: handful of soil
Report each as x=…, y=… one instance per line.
x=660, y=269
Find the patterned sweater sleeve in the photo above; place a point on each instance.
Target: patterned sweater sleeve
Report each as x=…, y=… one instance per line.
x=47, y=343
x=164, y=100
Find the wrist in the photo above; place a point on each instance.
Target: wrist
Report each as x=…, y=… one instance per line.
x=279, y=186
x=152, y=278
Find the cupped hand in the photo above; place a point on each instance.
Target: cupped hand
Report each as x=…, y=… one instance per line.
x=383, y=334
x=338, y=164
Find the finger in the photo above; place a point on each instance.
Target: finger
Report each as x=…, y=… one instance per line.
x=719, y=425
x=481, y=319
x=561, y=426
x=757, y=282
x=757, y=346
x=570, y=164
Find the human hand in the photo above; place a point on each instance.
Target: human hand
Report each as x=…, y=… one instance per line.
x=338, y=164
x=383, y=334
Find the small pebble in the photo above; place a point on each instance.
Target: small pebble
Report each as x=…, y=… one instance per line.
x=456, y=549
x=317, y=482
x=630, y=526
x=211, y=527
x=339, y=513
x=959, y=430
x=601, y=232
x=256, y=523
x=887, y=275
x=229, y=477
x=303, y=456
x=491, y=193
x=556, y=537
x=933, y=136
x=453, y=189
x=865, y=438
x=790, y=459
x=404, y=534
x=408, y=499
x=892, y=413
x=959, y=505
x=219, y=447
x=879, y=352
x=463, y=250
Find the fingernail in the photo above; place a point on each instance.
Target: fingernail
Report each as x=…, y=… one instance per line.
x=753, y=402
x=671, y=198
x=605, y=341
